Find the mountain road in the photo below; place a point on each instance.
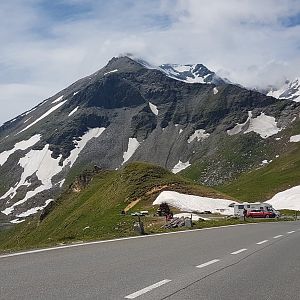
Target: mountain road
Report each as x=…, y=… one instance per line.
x=253, y=261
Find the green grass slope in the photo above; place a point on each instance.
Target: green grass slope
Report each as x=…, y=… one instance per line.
x=263, y=183
x=94, y=212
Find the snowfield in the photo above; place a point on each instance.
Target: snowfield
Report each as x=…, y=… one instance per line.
x=73, y=111
x=295, y=138
x=195, y=203
x=199, y=135
x=180, y=166
x=263, y=125
x=153, y=108
x=288, y=199
x=45, y=167
x=133, y=144
x=23, y=145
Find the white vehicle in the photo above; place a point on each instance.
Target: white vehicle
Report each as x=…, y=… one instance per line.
x=239, y=208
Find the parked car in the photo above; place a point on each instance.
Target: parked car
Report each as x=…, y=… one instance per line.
x=257, y=213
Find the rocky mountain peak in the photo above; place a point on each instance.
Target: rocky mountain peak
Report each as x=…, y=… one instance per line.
x=290, y=90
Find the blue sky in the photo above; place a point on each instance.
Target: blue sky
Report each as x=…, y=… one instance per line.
x=46, y=45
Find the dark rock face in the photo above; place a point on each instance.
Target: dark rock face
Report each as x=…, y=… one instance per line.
x=126, y=112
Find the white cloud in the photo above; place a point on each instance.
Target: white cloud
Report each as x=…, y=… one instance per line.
x=43, y=53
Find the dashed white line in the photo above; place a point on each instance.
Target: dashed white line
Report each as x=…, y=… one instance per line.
x=238, y=251
x=147, y=289
x=262, y=242
x=290, y=231
x=208, y=263
x=277, y=236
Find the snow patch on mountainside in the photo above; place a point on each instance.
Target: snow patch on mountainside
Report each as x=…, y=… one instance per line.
x=199, y=134
x=73, y=111
x=288, y=199
x=215, y=90
x=263, y=125
x=44, y=115
x=34, y=210
x=23, y=145
x=195, y=203
x=295, y=138
x=180, y=166
x=79, y=145
x=133, y=144
x=113, y=71
x=37, y=162
x=40, y=163
x=153, y=108
x=58, y=99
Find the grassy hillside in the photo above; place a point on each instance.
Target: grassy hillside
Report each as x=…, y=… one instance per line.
x=263, y=183
x=94, y=213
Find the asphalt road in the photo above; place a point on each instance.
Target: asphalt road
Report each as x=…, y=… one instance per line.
x=260, y=261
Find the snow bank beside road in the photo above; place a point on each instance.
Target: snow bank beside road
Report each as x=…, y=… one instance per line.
x=194, y=203
x=288, y=199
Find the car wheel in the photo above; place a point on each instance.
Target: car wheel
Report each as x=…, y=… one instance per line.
x=267, y=216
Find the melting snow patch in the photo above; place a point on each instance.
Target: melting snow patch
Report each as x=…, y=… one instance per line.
x=215, y=90
x=61, y=183
x=73, y=111
x=58, y=99
x=23, y=145
x=199, y=135
x=44, y=115
x=295, y=138
x=180, y=166
x=45, y=167
x=180, y=131
x=265, y=162
x=264, y=125
x=288, y=199
x=133, y=144
x=153, y=108
x=75, y=93
x=113, y=71
x=17, y=221
x=27, y=120
x=37, y=162
x=79, y=145
x=194, y=203
x=34, y=210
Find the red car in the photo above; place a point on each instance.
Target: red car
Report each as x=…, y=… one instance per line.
x=256, y=213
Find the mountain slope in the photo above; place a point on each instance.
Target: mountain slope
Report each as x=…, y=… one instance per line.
x=126, y=112
x=92, y=210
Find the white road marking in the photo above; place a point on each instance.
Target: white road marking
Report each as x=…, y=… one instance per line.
x=277, y=236
x=290, y=231
x=262, y=242
x=239, y=251
x=208, y=263
x=147, y=289
x=118, y=240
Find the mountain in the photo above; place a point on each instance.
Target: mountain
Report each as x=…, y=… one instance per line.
x=128, y=112
x=290, y=90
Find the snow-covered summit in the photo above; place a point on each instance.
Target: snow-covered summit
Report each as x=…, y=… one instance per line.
x=190, y=73
x=290, y=90
x=197, y=73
